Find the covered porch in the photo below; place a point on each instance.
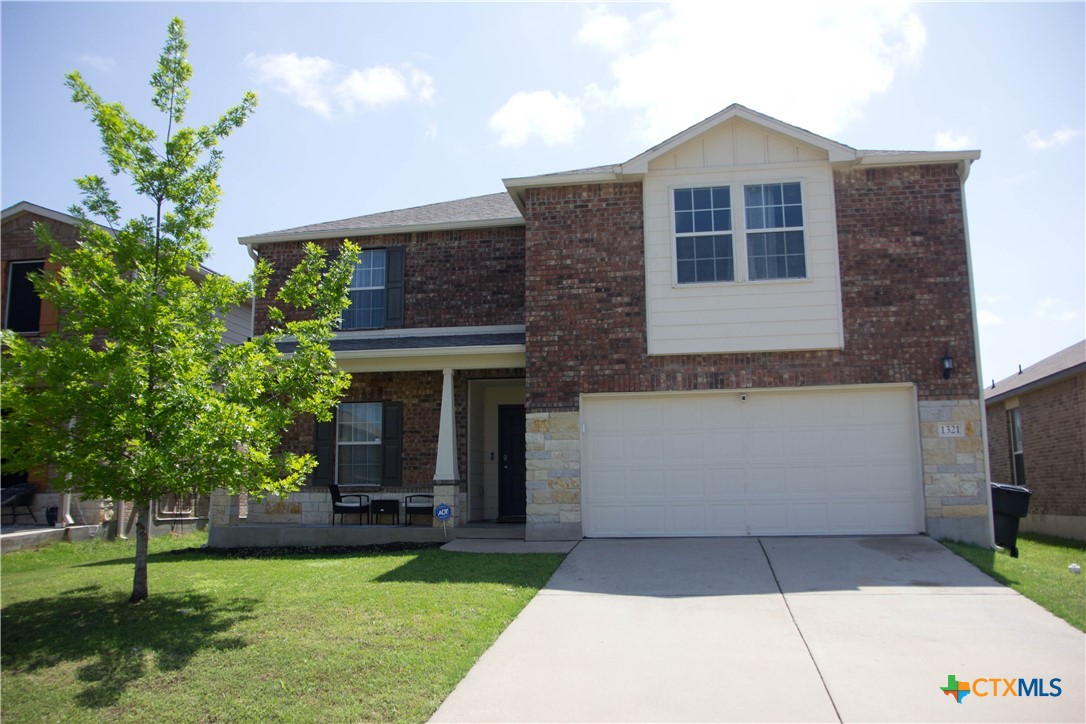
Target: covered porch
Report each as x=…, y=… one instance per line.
x=457, y=433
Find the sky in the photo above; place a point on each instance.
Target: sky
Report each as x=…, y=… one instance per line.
x=368, y=107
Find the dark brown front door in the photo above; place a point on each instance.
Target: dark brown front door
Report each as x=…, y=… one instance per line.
x=511, y=473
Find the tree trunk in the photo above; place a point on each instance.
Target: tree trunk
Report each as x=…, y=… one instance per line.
x=143, y=526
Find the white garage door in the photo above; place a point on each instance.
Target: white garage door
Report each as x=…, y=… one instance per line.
x=791, y=462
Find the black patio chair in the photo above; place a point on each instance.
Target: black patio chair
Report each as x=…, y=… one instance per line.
x=417, y=504
x=18, y=496
x=340, y=506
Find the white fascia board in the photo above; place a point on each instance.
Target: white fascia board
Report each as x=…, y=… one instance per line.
x=457, y=358
x=345, y=233
x=837, y=152
x=916, y=157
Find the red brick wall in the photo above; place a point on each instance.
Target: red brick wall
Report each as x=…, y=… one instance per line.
x=473, y=277
x=420, y=393
x=904, y=279
x=1053, y=444
x=999, y=444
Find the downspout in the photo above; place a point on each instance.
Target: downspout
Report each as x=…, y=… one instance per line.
x=963, y=174
x=252, y=308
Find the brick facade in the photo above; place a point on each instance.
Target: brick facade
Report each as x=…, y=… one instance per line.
x=420, y=393
x=473, y=277
x=904, y=279
x=1054, y=452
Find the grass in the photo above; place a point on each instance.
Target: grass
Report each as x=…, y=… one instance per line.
x=373, y=636
x=1039, y=573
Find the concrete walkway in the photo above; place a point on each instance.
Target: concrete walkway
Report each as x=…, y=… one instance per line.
x=772, y=630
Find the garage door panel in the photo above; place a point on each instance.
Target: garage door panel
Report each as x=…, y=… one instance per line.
x=782, y=462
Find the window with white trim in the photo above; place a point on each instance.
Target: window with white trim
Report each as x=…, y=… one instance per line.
x=367, y=292
x=358, y=443
x=771, y=225
x=774, y=221
x=703, y=238
x=1018, y=457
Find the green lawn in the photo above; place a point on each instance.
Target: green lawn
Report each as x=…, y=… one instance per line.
x=1039, y=573
x=375, y=636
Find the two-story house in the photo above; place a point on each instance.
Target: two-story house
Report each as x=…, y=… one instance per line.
x=748, y=329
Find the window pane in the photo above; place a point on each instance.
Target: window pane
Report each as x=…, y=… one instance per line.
x=684, y=199
x=703, y=199
x=772, y=195
x=703, y=221
x=359, y=422
x=722, y=197
x=774, y=217
x=367, y=310
x=706, y=270
x=722, y=220
x=684, y=248
x=755, y=218
x=793, y=216
x=753, y=195
x=791, y=193
x=794, y=241
x=703, y=247
x=686, y=272
x=684, y=222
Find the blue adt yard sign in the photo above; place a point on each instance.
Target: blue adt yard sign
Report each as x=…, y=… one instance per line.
x=443, y=512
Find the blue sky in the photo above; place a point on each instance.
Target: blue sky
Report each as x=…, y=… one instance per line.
x=371, y=107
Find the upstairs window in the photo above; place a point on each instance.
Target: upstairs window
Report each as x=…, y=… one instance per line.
x=23, y=302
x=367, y=292
x=376, y=291
x=771, y=223
x=774, y=220
x=703, y=235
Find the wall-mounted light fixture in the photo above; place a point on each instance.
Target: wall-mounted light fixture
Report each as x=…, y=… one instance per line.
x=948, y=365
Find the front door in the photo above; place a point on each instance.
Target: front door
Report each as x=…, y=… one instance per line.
x=511, y=472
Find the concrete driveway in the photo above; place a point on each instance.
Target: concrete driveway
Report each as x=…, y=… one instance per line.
x=772, y=629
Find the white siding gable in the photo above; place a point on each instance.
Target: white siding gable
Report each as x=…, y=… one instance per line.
x=742, y=316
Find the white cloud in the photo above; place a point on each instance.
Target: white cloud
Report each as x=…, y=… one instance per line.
x=1056, y=310
x=1037, y=142
x=323, y=86
x=988, y=319
x=813, y=64
x=98, y=62
x=951, y=141
x=605, y=30
x=553, y=118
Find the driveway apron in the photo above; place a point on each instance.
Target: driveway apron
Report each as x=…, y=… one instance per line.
x=775, y=629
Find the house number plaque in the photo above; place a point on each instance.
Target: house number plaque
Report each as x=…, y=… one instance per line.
x=951, y=429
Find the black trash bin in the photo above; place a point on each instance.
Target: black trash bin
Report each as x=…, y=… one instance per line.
x=1010, y=503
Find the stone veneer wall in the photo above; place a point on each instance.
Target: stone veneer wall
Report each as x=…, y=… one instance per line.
x=955, y=480
x=553, y=459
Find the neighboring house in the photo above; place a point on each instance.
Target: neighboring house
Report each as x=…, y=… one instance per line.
x=744, y=330
x=23, y=311
x=1037, y=438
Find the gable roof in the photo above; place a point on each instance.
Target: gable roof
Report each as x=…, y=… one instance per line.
x=1065, y=363
x=837, y=153
x=475, y=212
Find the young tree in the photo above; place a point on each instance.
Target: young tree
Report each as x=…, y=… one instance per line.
x=133, y=397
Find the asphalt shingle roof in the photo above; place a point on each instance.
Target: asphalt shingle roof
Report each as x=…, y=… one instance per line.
x=1073, y=356
x=477, y=208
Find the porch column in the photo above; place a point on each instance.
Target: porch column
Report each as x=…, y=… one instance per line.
x=447, y=469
